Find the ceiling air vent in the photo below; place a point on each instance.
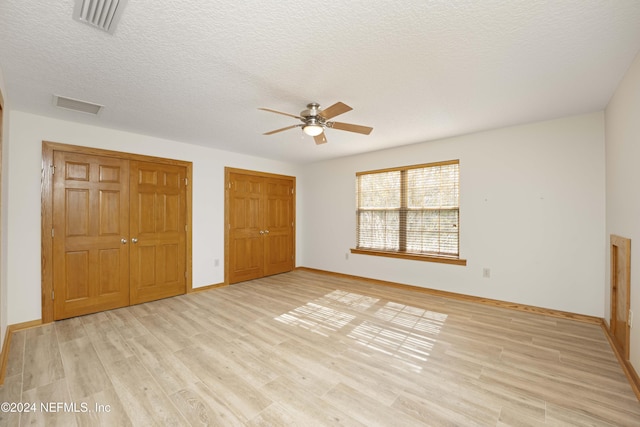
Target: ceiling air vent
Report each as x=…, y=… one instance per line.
x=76, y=105
x=102, y=14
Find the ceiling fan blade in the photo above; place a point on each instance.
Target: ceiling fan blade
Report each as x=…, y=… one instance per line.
x=350, y=127
x=320, y=139
x=335, y=110
x=280, y=112
x=280, y=130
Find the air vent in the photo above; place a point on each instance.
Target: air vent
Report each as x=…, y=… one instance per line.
x=76, y=105
x=102, y=14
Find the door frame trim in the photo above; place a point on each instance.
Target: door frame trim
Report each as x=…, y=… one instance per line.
x=2, y=215
x=46, y=194
x=227, y=172
x=625, y=243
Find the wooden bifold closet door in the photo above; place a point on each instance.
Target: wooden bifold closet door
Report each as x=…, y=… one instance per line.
x=90, y=221
x=158, y=221
x=260, y=217
x=118, y=232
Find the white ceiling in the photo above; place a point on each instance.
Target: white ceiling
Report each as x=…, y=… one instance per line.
x=415, y=70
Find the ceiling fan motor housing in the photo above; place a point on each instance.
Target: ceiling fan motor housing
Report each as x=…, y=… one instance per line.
x=312, y=110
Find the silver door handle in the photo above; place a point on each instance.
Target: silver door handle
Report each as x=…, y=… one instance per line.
x=261, y=232
x=123, y=241
x=134, y=240
x=266, y=231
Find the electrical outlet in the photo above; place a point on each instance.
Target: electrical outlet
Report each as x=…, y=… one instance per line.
x=216, y=262
x=486, y=273
x=630, y=319
x=346, y=255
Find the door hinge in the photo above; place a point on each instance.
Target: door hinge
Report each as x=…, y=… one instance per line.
x=185, y=228
x=185, y=274
x=53, y=294
x=292, y=191
x=53, y=232
x=53, y=169
x=229, y=186
x=186, y=182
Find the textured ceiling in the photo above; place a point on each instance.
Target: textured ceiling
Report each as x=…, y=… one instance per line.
x=415, y=70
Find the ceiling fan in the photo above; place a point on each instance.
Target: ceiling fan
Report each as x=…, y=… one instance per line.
x=315, y=120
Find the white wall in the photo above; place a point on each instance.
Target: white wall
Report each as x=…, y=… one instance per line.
x=622, y=119
x=27, y=131
x=532, y=210
x=3, y=215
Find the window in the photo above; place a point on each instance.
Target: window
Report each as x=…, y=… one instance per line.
x=410, y=212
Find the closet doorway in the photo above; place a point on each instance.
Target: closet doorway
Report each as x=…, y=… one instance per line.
x=2, y=208
x=619, y=323
x=115, y=229
x=259, y=224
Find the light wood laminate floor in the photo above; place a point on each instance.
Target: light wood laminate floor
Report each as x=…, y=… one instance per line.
x=305, y=349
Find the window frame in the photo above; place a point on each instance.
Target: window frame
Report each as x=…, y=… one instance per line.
x=402, y=227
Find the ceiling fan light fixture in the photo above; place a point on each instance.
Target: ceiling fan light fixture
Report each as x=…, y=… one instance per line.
x=312, y=130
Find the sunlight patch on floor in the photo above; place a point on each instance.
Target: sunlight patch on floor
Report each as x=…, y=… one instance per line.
x=350, y=299
x=316, y=318
x=404, y=332
x=392, y=338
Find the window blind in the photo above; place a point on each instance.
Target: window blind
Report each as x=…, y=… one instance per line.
x=412, y=209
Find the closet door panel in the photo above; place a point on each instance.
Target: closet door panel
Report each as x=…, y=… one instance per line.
x=90, y=220
x=246, y=232
x=158, y=231
x=278, y=220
